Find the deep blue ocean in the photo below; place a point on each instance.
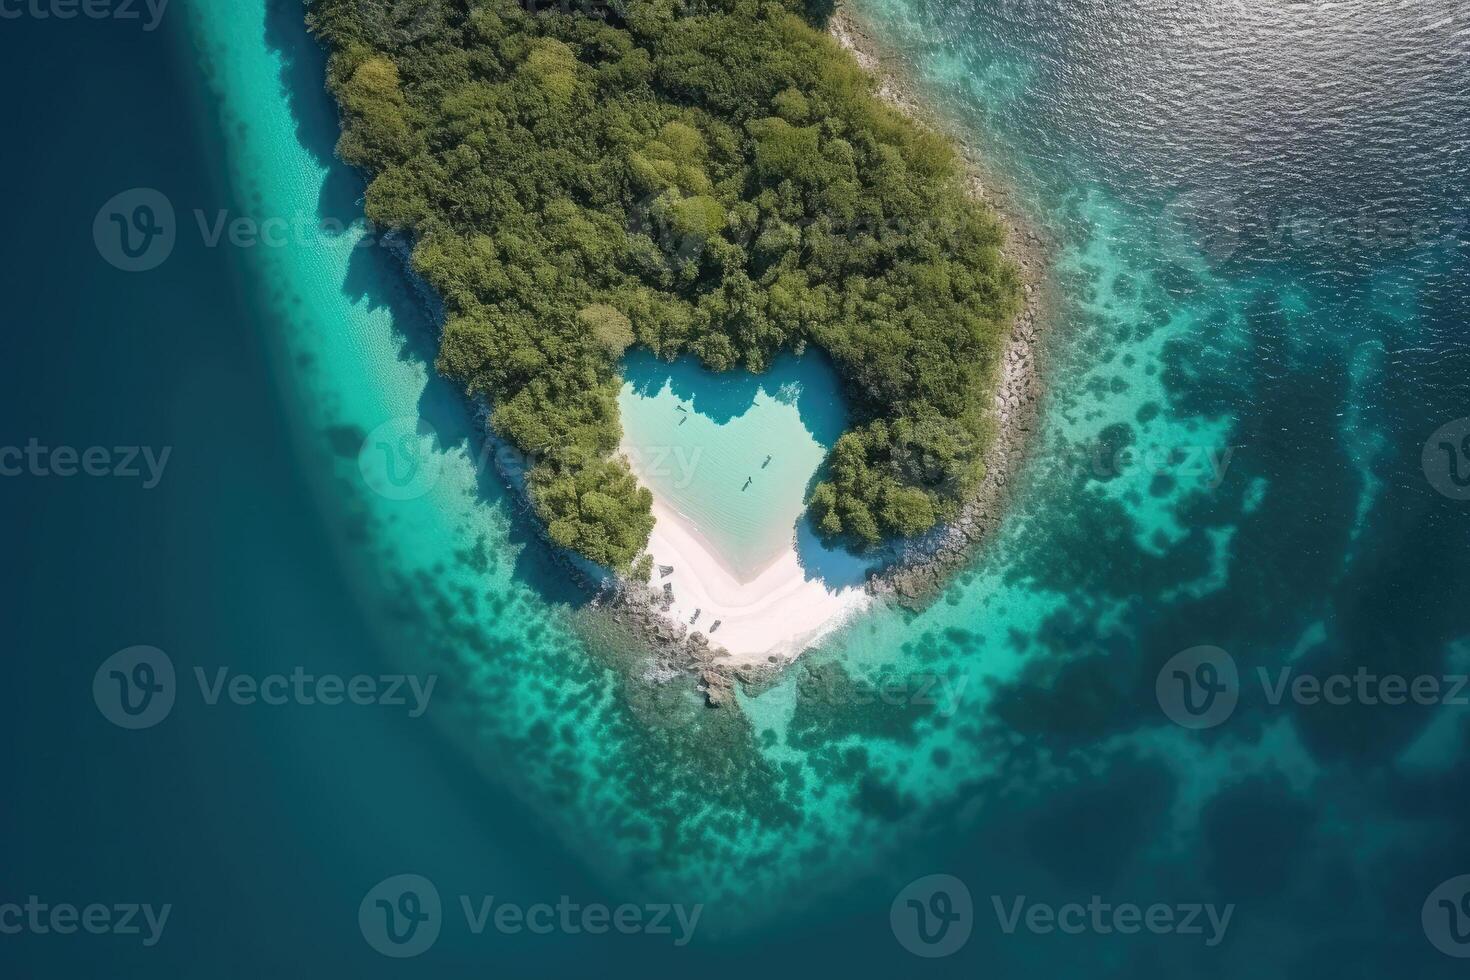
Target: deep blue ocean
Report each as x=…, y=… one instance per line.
x=1252, y=468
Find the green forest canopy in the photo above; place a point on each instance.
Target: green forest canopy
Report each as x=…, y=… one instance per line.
x=715, y=178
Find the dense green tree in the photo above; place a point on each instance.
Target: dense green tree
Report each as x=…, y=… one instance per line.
x=714, y=177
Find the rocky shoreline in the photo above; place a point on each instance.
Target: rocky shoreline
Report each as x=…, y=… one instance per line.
x=636, y=606
x=925, y=566
x=920, y=571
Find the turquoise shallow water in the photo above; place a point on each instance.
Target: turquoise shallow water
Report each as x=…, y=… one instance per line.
x=1225, y=186
x=734, y=454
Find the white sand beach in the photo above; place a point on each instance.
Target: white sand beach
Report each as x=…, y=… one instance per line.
x=777, y=612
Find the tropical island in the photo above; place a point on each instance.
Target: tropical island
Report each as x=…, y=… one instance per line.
x=716, y=179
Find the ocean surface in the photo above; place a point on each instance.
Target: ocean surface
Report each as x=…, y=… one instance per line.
x=1260, y=221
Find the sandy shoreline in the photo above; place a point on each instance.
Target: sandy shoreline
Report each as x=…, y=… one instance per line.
x=773, y=616
x=770, y=619
x=763, y=618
